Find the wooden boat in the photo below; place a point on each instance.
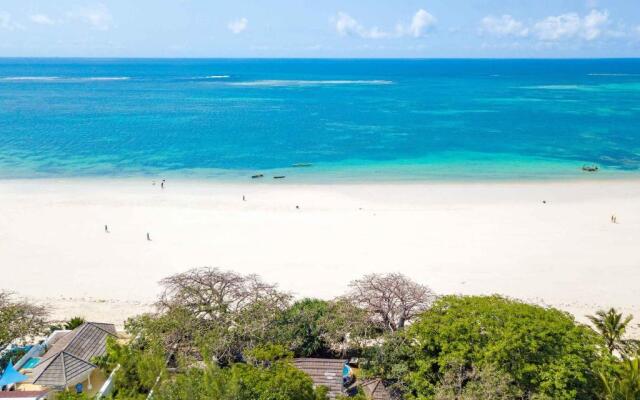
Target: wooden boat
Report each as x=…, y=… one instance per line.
x=590, y=168
x=298, y=165
x=257, y=176
x=279, y=177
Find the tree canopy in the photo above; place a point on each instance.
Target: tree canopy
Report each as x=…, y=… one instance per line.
x=544, y=352
x=20, y=319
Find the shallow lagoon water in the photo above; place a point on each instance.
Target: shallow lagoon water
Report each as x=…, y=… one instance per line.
x=352, y=119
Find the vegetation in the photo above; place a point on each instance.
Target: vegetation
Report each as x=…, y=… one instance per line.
x=392, y=300
x=71, y=324
x=492, y=342
x=625, y=383
x=19, y=319
x=612, y=326
x=74, y=322
x=218, y=334
x=269, y=375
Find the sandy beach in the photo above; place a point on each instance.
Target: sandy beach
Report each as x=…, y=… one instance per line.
x=455, y=237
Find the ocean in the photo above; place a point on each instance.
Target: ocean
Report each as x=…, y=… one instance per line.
x=440, y=119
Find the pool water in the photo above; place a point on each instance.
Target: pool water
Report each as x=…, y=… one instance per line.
x=31, y=363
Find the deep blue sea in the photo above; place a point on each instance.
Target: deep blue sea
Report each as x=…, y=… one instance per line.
x=349, y=119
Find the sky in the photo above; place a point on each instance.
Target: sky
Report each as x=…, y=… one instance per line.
x=320, y=28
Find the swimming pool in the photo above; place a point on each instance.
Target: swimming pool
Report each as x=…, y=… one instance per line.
x=31, y=363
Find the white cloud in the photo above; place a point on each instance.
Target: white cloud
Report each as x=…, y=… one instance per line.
x=7, y=22
x=238, y=26
x=504, y=25
x=97, y=16
x=593, y=24
x=420, y=23
x=346, y=25
x=41, y=19
x=571, y=25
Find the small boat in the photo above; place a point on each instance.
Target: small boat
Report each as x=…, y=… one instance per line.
x=590, y=168
x=298, y=165
x=257, y=176
x=278, y=177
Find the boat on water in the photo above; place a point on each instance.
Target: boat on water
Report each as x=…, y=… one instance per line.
x=279, y=177
x=590, y=168
x=298, y=165
x=257, y=176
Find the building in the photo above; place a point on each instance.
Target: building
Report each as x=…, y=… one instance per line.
x=375, y=389
x=68, y=363
x=324, y=372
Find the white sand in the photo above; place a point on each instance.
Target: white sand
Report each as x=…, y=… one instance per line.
x=456, y=238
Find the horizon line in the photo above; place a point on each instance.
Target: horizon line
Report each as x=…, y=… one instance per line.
x=305, y=58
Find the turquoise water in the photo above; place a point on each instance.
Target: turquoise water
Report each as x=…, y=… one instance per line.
x=350, y=119
x=31, y=363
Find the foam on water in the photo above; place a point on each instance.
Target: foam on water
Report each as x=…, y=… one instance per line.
x=28, y=78
x=281, y=82
x=62, y=79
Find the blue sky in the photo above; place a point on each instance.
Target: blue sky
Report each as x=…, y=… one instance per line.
x=320, y=28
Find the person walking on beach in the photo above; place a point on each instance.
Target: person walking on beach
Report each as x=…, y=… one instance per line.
x=162, y=184
x=106, y=229
x=148, y=237
x=243, y=199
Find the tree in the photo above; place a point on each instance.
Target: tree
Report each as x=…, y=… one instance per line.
x=277, y=379
x=212, y=294
x=392, y=300
x=461, y=382
x=222, y=313
x=74, y=322
x=19, y=319
x=543, y=351
x=301, y=329
x=625, y=383
x=140, y=366
x=612, y=326
x=347, y=328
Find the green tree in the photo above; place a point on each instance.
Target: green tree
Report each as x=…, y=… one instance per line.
x=74, y=322
x=612, y=326
x=625, y=383
x=470, y=383
x=277, y=379
x=141, y=365
x=347, y=328
x=71, y=395
x=19, y=319
x=301, y=329
x=544, y=352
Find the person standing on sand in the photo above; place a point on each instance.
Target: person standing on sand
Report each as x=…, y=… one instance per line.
x=243, y=199
x=162, y=184
x=106, y=229
x=148, y=237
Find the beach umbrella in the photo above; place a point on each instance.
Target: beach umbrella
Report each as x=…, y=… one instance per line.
x=11, y=376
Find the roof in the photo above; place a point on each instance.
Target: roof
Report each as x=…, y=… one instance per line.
x=323, y=372
x=20, y=394
x=10, y=375
x=70, y=357
x=375, y=389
